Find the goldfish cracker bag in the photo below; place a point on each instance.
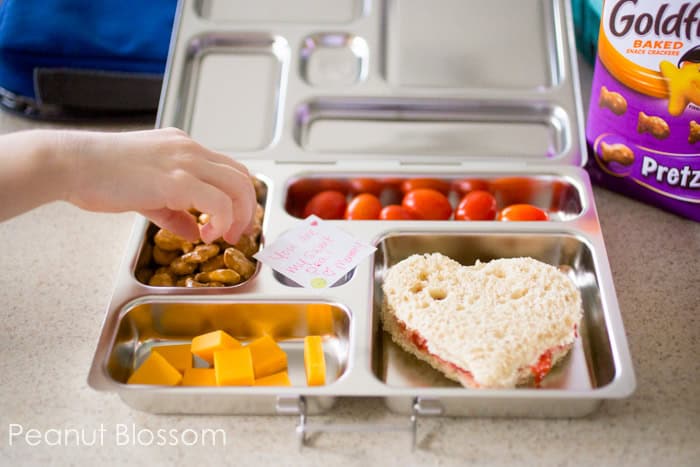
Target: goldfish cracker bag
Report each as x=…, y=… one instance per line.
x=643, y=127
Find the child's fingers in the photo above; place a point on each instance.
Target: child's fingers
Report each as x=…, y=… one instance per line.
x=181, y=223
x=224, y=159
x=190, y=191
x=238, y=187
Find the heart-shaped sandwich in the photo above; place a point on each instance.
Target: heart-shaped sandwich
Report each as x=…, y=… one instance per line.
x=492, y=325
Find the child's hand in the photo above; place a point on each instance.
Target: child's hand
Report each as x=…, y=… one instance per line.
x=159, y=173
x=162, y=174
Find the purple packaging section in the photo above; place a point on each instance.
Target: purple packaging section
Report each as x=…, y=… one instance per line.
x=664, y=172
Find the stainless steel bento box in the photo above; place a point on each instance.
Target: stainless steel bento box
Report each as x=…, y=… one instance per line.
x=318, y=90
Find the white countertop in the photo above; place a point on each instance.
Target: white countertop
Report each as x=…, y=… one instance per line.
x=58, y=268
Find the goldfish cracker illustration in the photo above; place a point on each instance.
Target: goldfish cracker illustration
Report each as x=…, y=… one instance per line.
x=613, y=101
x=616, y=153
x=655, y=126
x=694, y=132
x=642, y=126
x=683, y=85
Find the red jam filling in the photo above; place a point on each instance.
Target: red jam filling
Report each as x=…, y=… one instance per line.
x=420, y=343
x=542, y=367
x=539, y=370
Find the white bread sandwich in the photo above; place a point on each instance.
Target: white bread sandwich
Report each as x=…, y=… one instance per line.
x=492, y=325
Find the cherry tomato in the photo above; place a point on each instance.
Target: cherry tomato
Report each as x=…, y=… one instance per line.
x=477, y=206
x=363, y=206
x=302, y=189
x=514, y=190
x=333, y=184
x=298, y=194
x=411, y=184
x=326, y=205
x=522, y=212
x=366, y=185
x=391, y=182
x=427, y=204
x=467, y=185
x=562, y=196
x=395, y=212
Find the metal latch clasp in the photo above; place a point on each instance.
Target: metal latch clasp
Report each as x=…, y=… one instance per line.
x=420, y=407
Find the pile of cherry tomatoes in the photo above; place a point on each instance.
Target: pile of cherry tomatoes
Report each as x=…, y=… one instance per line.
x=414, y=199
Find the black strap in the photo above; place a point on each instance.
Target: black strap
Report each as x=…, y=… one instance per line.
x=97, y=91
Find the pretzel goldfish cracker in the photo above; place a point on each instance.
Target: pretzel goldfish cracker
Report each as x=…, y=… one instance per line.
x=616, y=153
x=613, y=101
x=655, y=126
x=201, y=253
x=168, y=241
x=162, y=279
x=224, y=276
x=217, y=262
x=191, y=282
x=181, y=267
x=694, y=132
x=237, y=261
x=164, y=257
x=257, y=220
x=247, y=245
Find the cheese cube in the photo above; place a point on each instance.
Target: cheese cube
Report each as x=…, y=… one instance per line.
x=234, y=367
x=314, y=361
x=179, y=356
x=199, y=377
x=205, y=345
x=277, y=379
x=268, y=357
x=319, y=318
x=155, y=370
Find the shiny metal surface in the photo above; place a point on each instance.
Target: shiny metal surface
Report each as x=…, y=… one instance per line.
x=590, y=363
x=458, y=75
x=473, y=44
x=298, y=11
x=559, y=195
x=334, y=59
x=266, y=100
x=234, y=71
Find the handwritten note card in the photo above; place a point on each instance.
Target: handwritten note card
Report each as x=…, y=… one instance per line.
x=314, y=254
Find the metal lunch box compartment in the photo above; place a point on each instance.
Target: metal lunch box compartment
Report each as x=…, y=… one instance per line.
x=558, y=194
x=313, y=94
x=144, y=259
x=300, y=11
x=257, y=64
x=476, y=32
x=149, y=322
x=593, y=364
x=397, y=126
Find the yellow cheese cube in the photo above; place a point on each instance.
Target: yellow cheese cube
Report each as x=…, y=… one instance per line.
x=234, y=367
x=277, y=379
x=314, y=361
x=319, y=318
x=155, y=370
x=205, y=345
x=179, y=356
x=199, y=377
x=268, y=357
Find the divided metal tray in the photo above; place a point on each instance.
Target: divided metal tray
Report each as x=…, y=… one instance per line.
x=315, y=90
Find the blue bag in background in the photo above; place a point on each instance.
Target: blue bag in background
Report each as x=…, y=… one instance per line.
x=586, y=25
x=72, y=59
